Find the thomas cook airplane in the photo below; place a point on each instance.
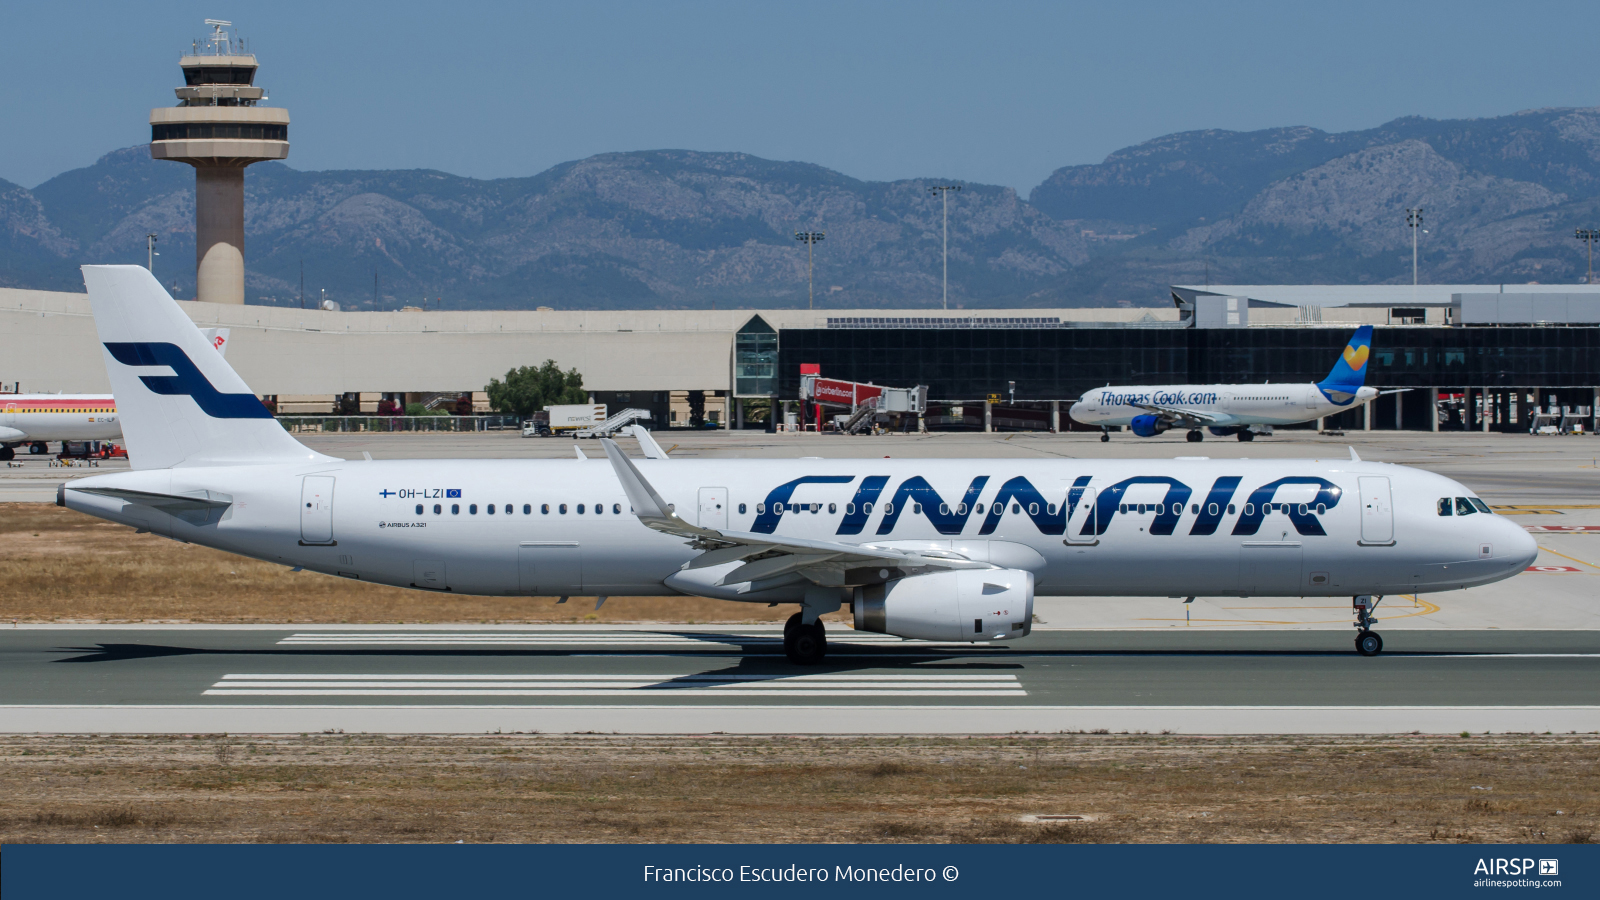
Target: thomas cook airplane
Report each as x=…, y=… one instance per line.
x=930, y=549
x=1244, y=410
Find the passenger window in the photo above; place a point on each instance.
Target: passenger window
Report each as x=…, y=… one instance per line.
x=1194, y=508
x=1033, y=509
x=419, y=509
x=1016, y=509
x=866, y=508
x=490, y=509
x=944, y=509
x=916, y=508
x=1444, y=506
x=961, y=509
x=580, y=509
x=741, y=509
x=1322, y=509
x=436, y=509
x=1211, y=509
x=888, y=508
x=1249, y=509
x=832, y=508
x=1482, y=506
x=616, y=509
x=978, y=509
x=562, y=509
x=473, y=509
x=455, y=509
x=1303, y=510
x=849, y=509
x=1230, y=509
x=761, y=509
x=1464, y=507
x=1122, y=508
x=816, y=508
x=508, y=509
x=1050, y=509
x=544, y=509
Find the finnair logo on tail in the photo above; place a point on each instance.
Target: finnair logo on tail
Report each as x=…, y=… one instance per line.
x=186, y=379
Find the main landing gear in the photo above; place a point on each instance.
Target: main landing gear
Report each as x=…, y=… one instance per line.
x=7, y=452
x=805, y=645
x=1368, y=642
x=1194, y=436
x=1246, y=434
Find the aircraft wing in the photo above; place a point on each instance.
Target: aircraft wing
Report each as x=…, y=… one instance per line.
x=1186, y=418
x=766, y=556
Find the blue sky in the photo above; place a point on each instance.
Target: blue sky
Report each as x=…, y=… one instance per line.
x=994, y=92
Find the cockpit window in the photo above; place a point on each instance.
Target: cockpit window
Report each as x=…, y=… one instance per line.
x=1464, y=507
x=1445, y=507
x=1482, y=506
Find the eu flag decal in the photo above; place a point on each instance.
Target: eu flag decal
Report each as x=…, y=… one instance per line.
x=452, y=493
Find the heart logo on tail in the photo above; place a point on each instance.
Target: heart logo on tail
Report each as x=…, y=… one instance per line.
x=1355, y=357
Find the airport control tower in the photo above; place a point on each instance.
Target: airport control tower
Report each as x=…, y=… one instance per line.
x=218, y=128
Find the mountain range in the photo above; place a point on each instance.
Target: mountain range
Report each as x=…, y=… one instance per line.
x=673, y=228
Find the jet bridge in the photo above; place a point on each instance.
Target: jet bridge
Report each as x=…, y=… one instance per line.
x=867, y=403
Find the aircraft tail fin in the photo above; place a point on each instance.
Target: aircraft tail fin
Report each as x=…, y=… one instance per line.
x=179, y=401
x=1350, y=372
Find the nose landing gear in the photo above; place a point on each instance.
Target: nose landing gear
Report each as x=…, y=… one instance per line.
x=1104, y=434
x=1368, y=642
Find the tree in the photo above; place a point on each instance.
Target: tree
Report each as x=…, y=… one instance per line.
x=527, y=390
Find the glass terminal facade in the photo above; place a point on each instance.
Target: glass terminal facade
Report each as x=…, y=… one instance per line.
x=1062, y=363
x=755, y=360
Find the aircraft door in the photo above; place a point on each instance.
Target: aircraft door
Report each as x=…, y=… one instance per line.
x=550, y=568
x=1377, y=511
x=316, y=510
x=1084, y=518
x=11, y=415
x=1311, y=396
x=714, y=507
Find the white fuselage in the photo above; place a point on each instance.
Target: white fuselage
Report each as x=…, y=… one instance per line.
x=1164, y=528
x=1229, y=404
x=58, y=417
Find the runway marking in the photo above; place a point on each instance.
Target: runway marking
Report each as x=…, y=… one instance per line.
x=585, y=639
x=698, y=685
x=1564, y=556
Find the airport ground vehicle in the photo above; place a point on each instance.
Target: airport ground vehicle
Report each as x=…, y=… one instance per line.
x=946, y=550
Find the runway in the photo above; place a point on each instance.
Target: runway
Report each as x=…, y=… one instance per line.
x=677, y=679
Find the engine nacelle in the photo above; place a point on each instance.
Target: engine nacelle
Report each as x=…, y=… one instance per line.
x=1147, y=426
x=1225, y=430
x=963, y=605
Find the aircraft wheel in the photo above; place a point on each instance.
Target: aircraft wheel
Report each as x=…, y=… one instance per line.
x=1247, y=435
x=805, y=645
x=1195, y=437
x=38, y=447
x=6, y=453
x=1368, y=643
x=1104, y=436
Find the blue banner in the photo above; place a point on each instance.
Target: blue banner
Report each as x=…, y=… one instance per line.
x=246, y=872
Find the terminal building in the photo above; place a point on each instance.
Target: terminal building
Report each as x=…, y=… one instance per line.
x=1474, y=356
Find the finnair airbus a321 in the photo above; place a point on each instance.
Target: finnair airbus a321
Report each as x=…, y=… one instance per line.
x=943, y=550
x=1243, y=410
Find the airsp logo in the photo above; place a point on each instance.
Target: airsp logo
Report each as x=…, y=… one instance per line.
x=1549, y=867
x=1501, y=866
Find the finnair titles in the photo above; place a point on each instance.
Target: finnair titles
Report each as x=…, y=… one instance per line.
x=942, y=550
x=1241, y=410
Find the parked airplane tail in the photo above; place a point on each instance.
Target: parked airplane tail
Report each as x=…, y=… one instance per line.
x=1350, y=372
x=180, y=402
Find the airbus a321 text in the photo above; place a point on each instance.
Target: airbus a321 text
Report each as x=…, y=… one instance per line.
x=941, y=550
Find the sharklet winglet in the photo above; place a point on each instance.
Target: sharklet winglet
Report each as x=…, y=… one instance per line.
x=1353, y=456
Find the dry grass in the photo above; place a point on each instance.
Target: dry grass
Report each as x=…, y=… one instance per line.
x=62, y=566
x=533, y=788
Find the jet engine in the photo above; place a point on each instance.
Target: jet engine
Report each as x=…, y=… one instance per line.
x=963, y=605
x=1147, y=426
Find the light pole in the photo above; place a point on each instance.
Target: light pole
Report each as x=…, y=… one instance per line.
x=1588, y=236
x=150, y=249
x=1414, y=222
x=809, y=238
x=942, y=191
